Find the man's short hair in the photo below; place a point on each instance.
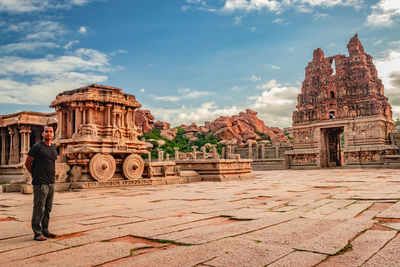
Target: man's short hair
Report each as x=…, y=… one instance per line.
x=47, y=126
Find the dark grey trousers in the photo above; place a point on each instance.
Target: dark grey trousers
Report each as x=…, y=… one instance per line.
x=42, y=203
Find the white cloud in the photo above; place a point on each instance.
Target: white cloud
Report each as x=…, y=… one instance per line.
x=320, y=16
x=268, y=85
x=254, y=78
x=273, y=67
x=237, y=20
x=278, y=20
x=82, y=30
x=251, y=5
x=25, y=6
x=276, y=105
x=330, y=3
x=394, y=43
x=236, y=88
x=26, y=46
x=278, y=7
x=331, y=45
x=142, y=90
x=186, y=93
x=207, y=111
x=252, y=29
x=70, y=44
x=38, y=30
x=378, y=42
x=389, y=72
x=384, y=13
x=45, y=77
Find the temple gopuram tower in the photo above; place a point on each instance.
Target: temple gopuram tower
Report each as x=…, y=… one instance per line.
x=342, y=116
x=97, y=135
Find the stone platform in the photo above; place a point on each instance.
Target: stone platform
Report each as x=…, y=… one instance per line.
x=331, y=217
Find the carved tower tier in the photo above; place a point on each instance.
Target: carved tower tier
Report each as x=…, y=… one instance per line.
x=342, y=116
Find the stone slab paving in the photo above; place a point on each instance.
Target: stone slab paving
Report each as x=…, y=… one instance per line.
x=388, y=256
x=362, y=248
x=299, y=258
x=331, y=217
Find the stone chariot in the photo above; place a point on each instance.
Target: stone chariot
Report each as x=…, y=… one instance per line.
x=97, y=136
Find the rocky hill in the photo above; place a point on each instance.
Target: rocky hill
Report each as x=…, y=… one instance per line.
x=240, y=129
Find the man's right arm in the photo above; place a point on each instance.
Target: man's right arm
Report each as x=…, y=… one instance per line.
x=28, y=163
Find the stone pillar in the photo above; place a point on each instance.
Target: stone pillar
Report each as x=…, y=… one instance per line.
x=149, y=155
x=223, y=153
x=277, y=150
x=114, y=119
x=176, y=153
x=108, y=115
x=128, y=118
x=214, y=152
x=68, y=123
x=194, y=152
x=60, y=127
x=160, y=154
x=229, y=151
x=11, y=152
x=250, y=154
x=3, y=146
x=167, y=157
x=263, y=151
x=133, y=125
x=84, y=116
x=25, y=131
x=125, y=118
x=204, y=151
x=89, y=116
x=78, y=119
x=16, y=145
x=257, y=151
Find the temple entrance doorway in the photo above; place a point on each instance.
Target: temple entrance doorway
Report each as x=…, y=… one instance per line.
x=332, y=147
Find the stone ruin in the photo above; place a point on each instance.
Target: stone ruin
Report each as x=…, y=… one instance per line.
x=19, y=131
x=97, y=141
x=342, y=116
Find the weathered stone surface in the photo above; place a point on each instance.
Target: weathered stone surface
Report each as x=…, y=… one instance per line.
x=336, y=238
x=353, y=90
x=96, y=129
x=79, y=256
x=341, y=98
x=242, y=127
x=299, y=258
x=161, y=125
x=387, y=256
x=237, y=130
x=145, y=120
x=363, y=247
x=230, y=223
x=169, y=134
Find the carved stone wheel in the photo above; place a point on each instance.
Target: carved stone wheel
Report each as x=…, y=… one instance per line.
x=133, y=166
x=102, y=167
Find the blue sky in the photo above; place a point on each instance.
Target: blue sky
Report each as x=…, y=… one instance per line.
x=187, y=60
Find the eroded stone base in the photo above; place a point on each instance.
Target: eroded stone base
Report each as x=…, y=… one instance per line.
x=219, y=169
x=123, y=183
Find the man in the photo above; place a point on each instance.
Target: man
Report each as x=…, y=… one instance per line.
x=41, y=164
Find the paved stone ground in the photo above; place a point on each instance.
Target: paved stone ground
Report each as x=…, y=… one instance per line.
x=332, y=217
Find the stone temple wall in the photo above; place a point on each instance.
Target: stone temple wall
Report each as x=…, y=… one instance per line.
x=342, y=116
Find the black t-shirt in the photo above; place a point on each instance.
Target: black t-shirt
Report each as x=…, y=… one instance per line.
x=43, y=167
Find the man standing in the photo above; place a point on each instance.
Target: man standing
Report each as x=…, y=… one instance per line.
x=41, y=164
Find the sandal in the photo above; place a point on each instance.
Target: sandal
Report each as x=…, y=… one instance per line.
x=40, y=238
